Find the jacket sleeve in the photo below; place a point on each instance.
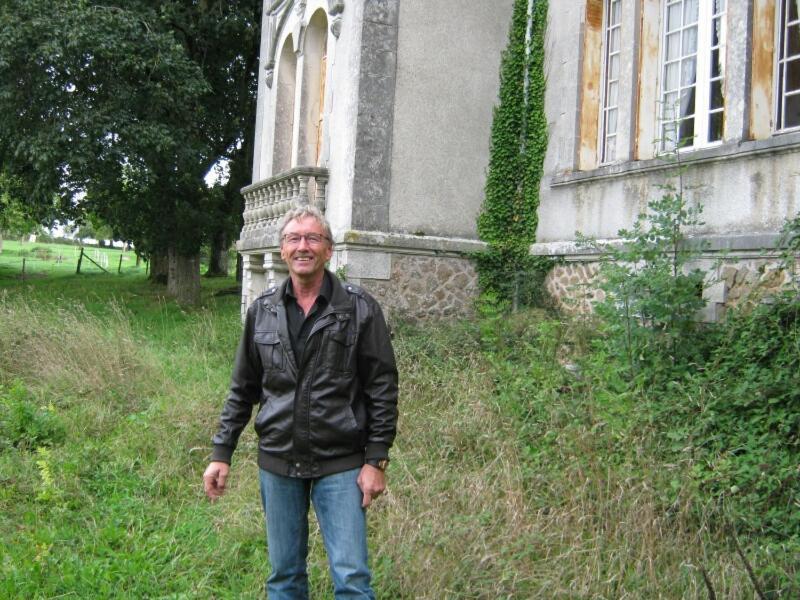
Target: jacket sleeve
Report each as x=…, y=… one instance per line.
x=377, y=374
x=245, y=392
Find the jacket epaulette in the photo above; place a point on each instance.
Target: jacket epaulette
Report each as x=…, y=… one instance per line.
x=352, y=288
x=268, y=292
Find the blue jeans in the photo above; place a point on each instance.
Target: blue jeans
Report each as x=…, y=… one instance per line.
x=337, y=503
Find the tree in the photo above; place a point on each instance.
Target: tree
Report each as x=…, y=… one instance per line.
x=121, y=109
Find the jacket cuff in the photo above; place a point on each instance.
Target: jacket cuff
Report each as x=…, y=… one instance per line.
x=222, y=454
x=376, y=451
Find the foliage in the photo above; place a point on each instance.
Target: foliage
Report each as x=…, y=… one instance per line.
x=24, y=424
x=14, y=219
x=120, y=111
x=544, y=478
x=652, y=296
x=508, y=219
x=745, y=422
x=722, y=398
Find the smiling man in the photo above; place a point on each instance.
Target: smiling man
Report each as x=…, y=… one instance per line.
x=316, y=358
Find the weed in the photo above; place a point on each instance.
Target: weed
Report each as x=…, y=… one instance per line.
x=24, y=424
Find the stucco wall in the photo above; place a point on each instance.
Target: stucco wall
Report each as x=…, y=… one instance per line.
x=448, y=69
x=744, y=185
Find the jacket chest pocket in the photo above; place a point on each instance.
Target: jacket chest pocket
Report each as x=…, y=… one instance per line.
x=339, y=350
x=270, y=350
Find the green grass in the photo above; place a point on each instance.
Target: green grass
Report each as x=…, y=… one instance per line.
x=507, y=480
x=48, y=260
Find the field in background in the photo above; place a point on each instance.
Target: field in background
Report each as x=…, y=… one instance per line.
x=48, y=260
x=505, y=481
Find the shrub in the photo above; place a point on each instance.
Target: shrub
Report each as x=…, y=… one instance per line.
x=24, y=424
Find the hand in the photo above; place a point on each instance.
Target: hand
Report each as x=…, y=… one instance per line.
x=214, y=479
x=372, y=482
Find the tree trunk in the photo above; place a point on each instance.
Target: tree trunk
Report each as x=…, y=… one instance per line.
x=218, y=257
x=239, y=268
x=1, y=242
x=184, y=277
x=158, y=268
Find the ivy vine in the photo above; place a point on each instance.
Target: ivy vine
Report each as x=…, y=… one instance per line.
x=508, y=218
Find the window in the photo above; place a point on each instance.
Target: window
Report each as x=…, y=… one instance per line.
x=693, y=73
x=611, y=66
x=788, y=71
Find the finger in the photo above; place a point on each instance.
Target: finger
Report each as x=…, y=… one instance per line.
x=366, y=501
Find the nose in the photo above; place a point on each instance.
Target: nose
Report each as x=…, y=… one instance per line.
x=303, y=242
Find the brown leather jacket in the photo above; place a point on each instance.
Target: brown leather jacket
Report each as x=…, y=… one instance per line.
x=324, y=412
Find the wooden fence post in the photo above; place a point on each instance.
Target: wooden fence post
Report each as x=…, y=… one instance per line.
x=23, y=268
x=80, y=259
x=119, y=269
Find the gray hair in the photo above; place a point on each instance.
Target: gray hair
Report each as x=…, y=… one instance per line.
x=302, y=212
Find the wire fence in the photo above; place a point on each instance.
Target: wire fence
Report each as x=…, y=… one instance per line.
x=28, y=260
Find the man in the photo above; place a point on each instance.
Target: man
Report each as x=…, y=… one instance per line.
x=316, y=358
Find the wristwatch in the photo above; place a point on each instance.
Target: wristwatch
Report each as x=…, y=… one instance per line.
x=378, y=463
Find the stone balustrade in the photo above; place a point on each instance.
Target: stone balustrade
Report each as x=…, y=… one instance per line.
x=268, y=200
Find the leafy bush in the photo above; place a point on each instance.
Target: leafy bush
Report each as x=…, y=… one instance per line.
x=23, y=424
x=652, y=296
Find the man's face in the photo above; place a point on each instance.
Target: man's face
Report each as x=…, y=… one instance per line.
x=305, y=259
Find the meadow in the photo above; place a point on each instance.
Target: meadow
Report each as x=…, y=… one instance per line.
x=510, y=477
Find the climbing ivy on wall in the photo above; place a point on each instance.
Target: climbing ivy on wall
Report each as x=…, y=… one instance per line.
x=508, y=218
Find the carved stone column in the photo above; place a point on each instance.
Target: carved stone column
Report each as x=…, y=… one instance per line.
x=253, y=281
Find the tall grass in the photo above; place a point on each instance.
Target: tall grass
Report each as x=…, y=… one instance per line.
x=509, y=479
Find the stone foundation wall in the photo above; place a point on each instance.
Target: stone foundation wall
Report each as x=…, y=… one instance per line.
x=426, y=287
x=573, y=286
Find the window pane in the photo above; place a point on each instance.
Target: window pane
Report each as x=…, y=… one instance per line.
x=716, y=31
x=716, y=94
x=688, y=72
x=716, y=63
x=668, y=135
x=613, y=90
x=611, y=121
x=671, y=76
x=793, y=41
x=690, y=11
x=615, y=12
x=689, y=41
x=611, y=148
x=715, y=122
x=719, y=6
x=687, y=102
x=686, y=135
x=794, y=9
x=793, y=75
x=670, y=107
x=614, y=40
x=613, y=67
x=673, y=17
x=792, y=111
x=673, y=46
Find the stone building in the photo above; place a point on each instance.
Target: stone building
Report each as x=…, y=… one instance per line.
x=721, y=79
x=379, y=112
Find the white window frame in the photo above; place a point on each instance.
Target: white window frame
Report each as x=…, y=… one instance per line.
x=782, y=24
x=609, y=127
x=708, y=13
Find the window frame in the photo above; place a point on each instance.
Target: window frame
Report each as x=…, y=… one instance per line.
x=703, y=77
x=779, y=109
x=605, y=108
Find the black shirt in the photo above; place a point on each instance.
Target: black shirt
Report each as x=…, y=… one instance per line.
x=299, y=323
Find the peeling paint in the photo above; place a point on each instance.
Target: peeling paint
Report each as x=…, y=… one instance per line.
x=590, y=95
x=763, y=52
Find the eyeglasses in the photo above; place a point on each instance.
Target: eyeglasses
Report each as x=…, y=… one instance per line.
x=313, y=239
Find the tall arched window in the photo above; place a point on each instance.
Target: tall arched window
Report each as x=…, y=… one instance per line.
x=312, y=106
x=284, y=108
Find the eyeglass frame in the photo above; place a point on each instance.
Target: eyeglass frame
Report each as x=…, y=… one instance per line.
x=302, y=236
